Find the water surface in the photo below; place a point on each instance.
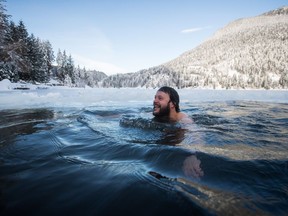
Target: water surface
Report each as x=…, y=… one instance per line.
x=112, y=158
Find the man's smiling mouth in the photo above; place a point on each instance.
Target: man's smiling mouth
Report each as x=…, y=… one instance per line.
x=156, y=107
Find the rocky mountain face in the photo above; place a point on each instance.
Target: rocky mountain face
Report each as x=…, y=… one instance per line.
x=247, y=53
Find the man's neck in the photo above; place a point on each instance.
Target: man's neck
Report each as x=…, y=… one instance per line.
x=173, y=116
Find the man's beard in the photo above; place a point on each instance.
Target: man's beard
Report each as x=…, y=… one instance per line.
x=163, y=112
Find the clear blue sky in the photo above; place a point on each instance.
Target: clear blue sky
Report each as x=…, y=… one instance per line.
x=117, y=36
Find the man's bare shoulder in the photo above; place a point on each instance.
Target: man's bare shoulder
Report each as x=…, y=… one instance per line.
x=184, y=118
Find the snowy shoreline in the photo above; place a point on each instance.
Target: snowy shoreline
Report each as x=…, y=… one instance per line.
x=41, y=96
x=6, y=85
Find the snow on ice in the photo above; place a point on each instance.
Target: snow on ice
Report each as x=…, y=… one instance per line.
x=25, y=95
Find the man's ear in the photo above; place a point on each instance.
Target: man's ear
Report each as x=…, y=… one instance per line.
x=172, y=105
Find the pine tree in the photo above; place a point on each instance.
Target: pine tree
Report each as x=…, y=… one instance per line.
x=36, y=59
x=48, y=57
x=60, y=65
x=19, y=36
x=69, y=67
x=5, y=71
x=3, y=23
x=283, y=81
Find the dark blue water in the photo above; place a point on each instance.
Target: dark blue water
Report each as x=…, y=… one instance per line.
x=109, y=160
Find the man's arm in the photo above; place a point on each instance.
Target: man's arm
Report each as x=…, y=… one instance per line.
x=191, y=167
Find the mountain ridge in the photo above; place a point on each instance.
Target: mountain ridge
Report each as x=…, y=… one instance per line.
x=247, y=53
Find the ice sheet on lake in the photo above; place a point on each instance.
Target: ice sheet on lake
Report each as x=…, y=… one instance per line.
x=60, y=96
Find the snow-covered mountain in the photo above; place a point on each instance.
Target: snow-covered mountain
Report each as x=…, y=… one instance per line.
x=247, y=53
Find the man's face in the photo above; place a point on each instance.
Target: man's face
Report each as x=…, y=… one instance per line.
x=161, y=104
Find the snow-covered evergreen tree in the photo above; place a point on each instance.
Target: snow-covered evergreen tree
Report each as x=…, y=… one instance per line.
x=38, y=71
x=4, y=20
x=61, y=62
x=6, y=72
x=70, y=69
x=48, y=57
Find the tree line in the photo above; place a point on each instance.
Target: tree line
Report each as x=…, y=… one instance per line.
x=25, y=57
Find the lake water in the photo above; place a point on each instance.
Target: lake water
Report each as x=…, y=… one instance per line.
x=98, y=152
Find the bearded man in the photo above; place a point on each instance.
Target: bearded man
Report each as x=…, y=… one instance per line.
x=166, y=106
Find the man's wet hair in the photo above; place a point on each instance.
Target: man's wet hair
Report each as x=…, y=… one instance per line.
x=174, y=97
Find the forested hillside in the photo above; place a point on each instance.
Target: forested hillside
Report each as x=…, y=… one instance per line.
x=247, y=53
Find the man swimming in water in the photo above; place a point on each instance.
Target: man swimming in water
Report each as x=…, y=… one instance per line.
x=166, y=107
